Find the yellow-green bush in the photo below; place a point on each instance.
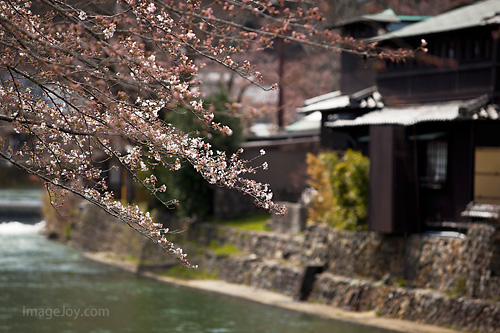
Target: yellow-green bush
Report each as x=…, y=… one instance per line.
x=341, y=189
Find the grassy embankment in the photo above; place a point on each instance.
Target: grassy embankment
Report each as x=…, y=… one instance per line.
x=249, y=223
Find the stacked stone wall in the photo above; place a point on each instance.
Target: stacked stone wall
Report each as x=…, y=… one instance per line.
x=444, y=264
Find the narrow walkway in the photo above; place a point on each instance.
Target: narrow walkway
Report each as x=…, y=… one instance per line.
x=279, y=300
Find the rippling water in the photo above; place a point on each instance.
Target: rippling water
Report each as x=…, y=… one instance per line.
x=48, y=287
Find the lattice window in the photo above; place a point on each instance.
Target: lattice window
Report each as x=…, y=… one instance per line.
x=437, y=162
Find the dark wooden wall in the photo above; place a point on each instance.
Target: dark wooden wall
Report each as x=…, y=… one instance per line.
x=392, y=190
x=459, y=65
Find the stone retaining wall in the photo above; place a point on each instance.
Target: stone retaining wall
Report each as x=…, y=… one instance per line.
x=268, y=275
x=438, y=280
x=415, y=304
x=440, y=263
x=87, y=227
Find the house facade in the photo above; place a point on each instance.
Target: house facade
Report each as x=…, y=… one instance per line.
x=430, y=125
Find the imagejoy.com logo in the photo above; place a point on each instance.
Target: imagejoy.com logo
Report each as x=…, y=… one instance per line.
x=74, y=313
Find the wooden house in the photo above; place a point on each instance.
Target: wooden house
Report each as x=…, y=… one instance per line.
x=433, y=132
x=358, y=72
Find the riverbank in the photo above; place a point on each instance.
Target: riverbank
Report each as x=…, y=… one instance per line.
x=368, y=318
x=440, y=281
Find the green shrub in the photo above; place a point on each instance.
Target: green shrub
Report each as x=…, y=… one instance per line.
x=224, y=250
x=255, y=222
x=67, y=232
x=460, y=288
x=342, y=185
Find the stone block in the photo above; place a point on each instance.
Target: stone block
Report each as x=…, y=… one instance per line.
x=293, y=222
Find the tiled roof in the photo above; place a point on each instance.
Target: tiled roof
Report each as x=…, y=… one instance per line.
x=328, y=104
x=413, y=114
x=367, y=98
x=477, y=14
x=386, y=16
x=308, y=123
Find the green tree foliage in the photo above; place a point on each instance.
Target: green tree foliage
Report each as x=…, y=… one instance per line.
x=186, y=184
x=341, y=185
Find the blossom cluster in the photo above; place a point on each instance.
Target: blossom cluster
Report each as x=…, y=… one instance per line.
x=86, y=83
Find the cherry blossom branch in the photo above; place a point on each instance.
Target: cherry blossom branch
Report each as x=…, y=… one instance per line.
x=88, y=83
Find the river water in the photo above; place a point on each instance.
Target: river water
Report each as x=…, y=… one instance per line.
x=49, y=287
